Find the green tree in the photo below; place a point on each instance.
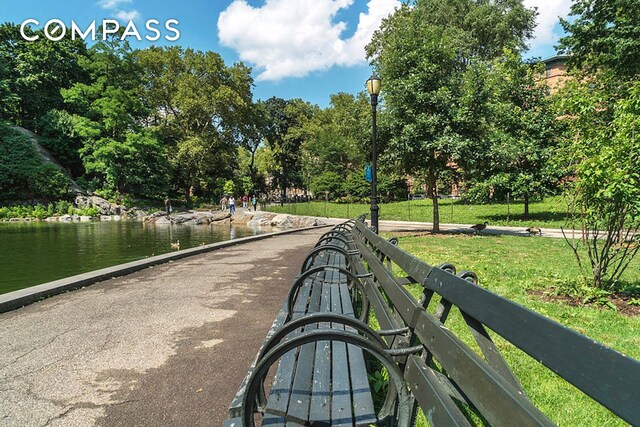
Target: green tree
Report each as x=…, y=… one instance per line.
x=421, y=53
x=37, y=71
x=336, y=143
x=200, y=108
x=107, y=115
x=229, y=187
x=519, y=131
x=605, y=158
x=22, y=173
x=603, y=35
x=601, y=109
x=285, y=134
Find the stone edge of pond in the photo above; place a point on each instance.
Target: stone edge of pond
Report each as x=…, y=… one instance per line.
x=22, y=297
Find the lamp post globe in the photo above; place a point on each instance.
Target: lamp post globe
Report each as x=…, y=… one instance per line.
x=374, y=86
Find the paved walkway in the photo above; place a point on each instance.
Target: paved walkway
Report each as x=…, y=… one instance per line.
x=167, y=346
x=391, y=226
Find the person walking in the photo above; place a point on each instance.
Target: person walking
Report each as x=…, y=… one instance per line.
x=232, y=205
x=254, y=202
x=223, y=203
x=167, y=205
x=245, y=201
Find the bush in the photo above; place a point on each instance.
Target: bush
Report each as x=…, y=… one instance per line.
x=46, y=181
x=58, y=135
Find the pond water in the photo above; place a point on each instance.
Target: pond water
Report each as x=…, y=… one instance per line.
x=32, y=253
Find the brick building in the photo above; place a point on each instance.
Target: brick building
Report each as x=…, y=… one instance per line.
x=556, y=72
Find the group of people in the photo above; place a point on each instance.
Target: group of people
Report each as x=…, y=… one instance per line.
x=231, y=202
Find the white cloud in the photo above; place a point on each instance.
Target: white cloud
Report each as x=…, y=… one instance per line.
x=127, y=16
x=548, y=16
x=112, y=4
x=291, y=38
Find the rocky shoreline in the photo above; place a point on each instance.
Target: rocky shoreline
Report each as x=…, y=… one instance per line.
x=112, y=212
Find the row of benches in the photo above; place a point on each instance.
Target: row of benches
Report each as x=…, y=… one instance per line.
x=321, y=339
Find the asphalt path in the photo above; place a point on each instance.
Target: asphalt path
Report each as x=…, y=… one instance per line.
x=166, y=346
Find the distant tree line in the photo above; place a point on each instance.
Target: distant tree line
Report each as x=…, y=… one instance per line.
x=458, y=104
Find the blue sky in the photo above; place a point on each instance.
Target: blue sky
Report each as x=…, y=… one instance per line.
x=305, y=49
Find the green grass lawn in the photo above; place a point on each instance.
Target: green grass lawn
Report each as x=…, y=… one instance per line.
x=513, y=267
x=549, y=213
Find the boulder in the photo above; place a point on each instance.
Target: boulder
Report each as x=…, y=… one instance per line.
x=104, y=206
x=163, y=220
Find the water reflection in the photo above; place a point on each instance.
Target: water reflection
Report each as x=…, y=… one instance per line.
x=39, y=252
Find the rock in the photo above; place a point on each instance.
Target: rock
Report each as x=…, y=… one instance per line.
x=282, y=221
x=75, y=217
x=105, y=218
x=52, y=219
x=104, y=206
x=65, y=218
x=163, y=220
x=116, y=218
x=85, y=218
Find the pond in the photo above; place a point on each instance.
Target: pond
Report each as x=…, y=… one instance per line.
x=32, y=253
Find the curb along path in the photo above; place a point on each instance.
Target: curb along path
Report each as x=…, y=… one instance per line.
x=168, y=345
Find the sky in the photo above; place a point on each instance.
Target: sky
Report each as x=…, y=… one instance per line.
x=305, y=49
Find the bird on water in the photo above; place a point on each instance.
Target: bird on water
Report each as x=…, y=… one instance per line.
x=175, y=245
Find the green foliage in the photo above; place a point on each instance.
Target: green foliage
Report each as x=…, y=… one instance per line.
x=422, y=53
x=602, y=149
x=603, y=35
x=520, y=141
x=46, y=181
x=58, y=135
x=285, y=133
x=36, y=71
x=201, y=108
x=229, y=187
x=41, y=211
x=326, y=182
x=22, y=173
x=18, y=161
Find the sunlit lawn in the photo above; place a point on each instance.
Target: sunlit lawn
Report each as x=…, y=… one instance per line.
x=549, y=213
x=514, y=266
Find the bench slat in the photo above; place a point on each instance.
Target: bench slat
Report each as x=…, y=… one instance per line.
x=278, y=400
x=432, y=396
x=301, y=390
x=321, y=390
x=363, y=410
x=341, y=412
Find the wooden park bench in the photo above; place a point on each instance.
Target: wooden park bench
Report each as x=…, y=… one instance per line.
x=321, y=337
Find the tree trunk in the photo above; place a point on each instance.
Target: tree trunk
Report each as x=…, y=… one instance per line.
x=283, y=193
x=526, y=206
x=433, y=193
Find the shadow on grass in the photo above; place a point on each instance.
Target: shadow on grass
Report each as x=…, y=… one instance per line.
x=534, y=216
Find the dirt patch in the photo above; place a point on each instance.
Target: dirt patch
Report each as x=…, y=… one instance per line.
x=620, y=300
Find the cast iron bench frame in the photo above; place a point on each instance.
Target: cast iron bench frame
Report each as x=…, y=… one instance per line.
x=441, y=370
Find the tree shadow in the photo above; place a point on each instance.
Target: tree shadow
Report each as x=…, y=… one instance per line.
x=534, y=216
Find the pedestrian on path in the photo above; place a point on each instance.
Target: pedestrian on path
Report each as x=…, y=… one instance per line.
x=232, y=205
x=254, y=202
x=167, y=206
x=223, y=203
x=245, y=201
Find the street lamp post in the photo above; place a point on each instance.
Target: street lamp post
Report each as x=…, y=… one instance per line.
x=373, y=86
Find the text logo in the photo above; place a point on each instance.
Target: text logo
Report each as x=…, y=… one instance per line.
x=56, y=30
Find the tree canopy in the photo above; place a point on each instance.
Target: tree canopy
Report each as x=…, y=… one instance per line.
x=422, y=54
